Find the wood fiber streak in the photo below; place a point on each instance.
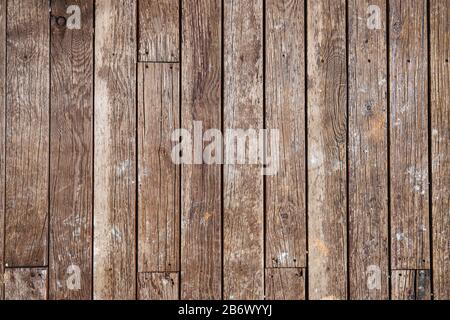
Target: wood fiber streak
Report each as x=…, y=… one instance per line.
x=285, y=284
x=158, y=286
x=2, y=138
x=26, y=284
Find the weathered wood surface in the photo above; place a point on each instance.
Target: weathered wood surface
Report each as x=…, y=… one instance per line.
x=158, y=286
x=243, y=194
x=201, y=225
x=27, y=134
x=327, y=172
x=285, y=284
x=115, y=150
x=159, y=30
x=2, y=138
x=410, y=229
x=26, y=284
x=368, y=151
x=440, y=150
x=159, y=177
x=285, y=110
x=71, y=152
x=411, y=285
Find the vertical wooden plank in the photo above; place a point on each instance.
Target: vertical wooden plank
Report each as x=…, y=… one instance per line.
x=327, y=106
x=411, y=285
x=158, y=286
x=285, y=111
x=26, y=284
x=285, y=284
x=159, y=177
x=409, y=135
x=159, y=30
x=27, y=135
x=71, y=153
x=243, y=184
x=201, y=252
x=2, y=138
x=115, y=150
x=368, y=158
x=440, y=135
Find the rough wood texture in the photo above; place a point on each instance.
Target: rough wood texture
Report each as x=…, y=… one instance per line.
x=327, y=105
x=159, y=30
x=411, y=285
x=158, y=286
x=2, y=137
x=27, y=134
x=26, y=284
x=201, y=254
x=243, y=184
x=409, y=135
x=285, y=284
x=285, y=111
x=159, y=177
x=115, y=150
x=440, y=135
x=71, y=153
x=367, y=152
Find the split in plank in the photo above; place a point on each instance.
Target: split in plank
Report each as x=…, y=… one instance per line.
x=411, y=285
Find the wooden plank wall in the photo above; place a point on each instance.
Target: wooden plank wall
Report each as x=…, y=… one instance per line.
x=93, y=205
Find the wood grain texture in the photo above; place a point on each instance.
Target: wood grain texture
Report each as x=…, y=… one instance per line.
x=115, y=150
x=27, y=135
x=285, y=111
x=243, y=184
x=2, y=138
x=159, y=177
x=158, y=286
x=409, y=135
x=159, y=30
x=327, y=128
x=201, y=252
x=411, y=285
x=285, y=284
x=71, y=152
x=440, y=135
x=26, y=284
x=368, y=152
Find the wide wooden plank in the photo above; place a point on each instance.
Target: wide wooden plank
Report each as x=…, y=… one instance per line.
x=158, y=286
x=409, y=135
x=201, y=252
x=327, y=105
x=71, y=153
x=2, y=138
x=368, y=151
x=243, y=183
x=411, y=285
x=159, y=177
x=285, y=111
x=285, y=284
x=115, y=150
x=159, y=30
x=27, y=135
x=26, y=284
x=440, y=135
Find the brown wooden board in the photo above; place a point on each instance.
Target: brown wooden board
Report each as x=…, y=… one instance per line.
x=285, y=111
x=368, y=151
x=327, y=166
x=2, y=138
x=411, y=285
x=159, y=177
x=115, y=150
x=26, y=284
x=285, y=284
x=27, y=134
x=158, y=286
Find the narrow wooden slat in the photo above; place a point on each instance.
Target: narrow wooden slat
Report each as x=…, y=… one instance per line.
x=115, y=150
x=2, y=137
x=285, y=284
x=440, y=114
x=327, y=216
x=411, y=285
x=158, y=286
x=26, y=284
x=243, y=184
x=285, y=111
x=27, y=135
x=159, y=30
x=71, y=154
x=409, y=135
x=159, y=177
x=368, y=158
x=201, y=254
